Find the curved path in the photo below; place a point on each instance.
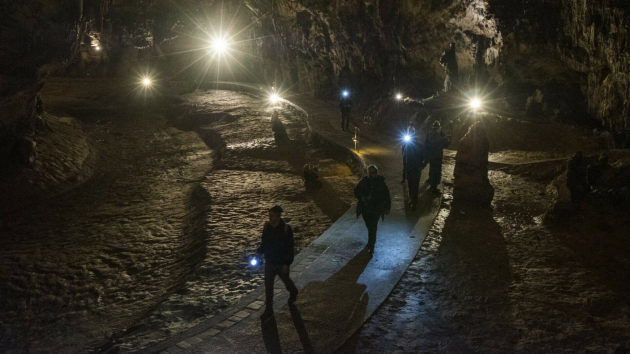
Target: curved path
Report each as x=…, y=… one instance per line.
x=340, y=284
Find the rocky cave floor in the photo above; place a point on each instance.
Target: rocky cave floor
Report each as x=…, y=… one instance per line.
x=501, y=281
x=157, y=241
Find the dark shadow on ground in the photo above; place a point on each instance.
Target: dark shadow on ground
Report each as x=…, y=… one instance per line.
x=301, y=329
x=270, y=335
x=471, y=262
x=340, y=301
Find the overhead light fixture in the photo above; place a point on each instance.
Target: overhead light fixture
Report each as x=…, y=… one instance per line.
x=475, y=103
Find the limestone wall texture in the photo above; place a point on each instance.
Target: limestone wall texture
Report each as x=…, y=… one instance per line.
x=572, y=51
x=571, y=41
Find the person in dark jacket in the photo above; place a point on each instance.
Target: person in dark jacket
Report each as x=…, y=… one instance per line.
x=344, y=108
x=411, y=132
x=434, y=144
x=277, y=247
x=374, y=202
x=414, y=160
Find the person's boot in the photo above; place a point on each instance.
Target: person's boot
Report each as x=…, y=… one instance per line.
x=293, y=297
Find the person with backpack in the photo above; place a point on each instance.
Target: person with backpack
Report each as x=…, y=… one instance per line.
x=374, y=202
x=414, y=160
x=435, y=144
x=277, y=247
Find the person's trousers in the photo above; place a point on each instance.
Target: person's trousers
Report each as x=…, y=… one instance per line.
x=435, y=173
x=413, y=185
x=271, y=270
x=345, y=120
x=371, y=221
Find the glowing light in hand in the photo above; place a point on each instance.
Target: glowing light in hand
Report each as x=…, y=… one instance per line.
x=398, y=96
x=407, y=138
x=146, y=81
x=253, y=261
x=97, y=48
x=345, y=93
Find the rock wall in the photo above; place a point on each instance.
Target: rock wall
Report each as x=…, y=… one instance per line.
x=598, y=33
x=37, y=37
x=321, y=46
x=570, y=51
x=570, y=42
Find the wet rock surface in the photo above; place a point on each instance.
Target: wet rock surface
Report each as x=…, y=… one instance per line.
x=153, y=226
x=78, y=266
x=62, y=158
x=253, y=173
x=499, y=281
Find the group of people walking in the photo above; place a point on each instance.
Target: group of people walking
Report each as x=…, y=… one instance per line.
x=374, y=202
x=417, y=155
x=372, y=193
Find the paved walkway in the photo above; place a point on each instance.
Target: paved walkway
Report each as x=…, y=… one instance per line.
x=340, y=284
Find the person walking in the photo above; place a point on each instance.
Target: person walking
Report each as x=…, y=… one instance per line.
x=411, y=131
x=414, y=160
x=434, y=144
x=277, y=247
x=374, y=202
x=344, y=108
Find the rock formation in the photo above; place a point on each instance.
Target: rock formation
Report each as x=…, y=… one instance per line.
x=471, y=182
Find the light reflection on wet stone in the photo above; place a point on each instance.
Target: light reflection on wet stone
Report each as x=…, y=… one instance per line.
x=253, y=174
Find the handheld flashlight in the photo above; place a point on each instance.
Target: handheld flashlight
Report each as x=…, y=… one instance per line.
x=146, y=81
x=345, y=93
x=253, y=261
x=273, y=98
x=399, y=96
x=407, y=138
